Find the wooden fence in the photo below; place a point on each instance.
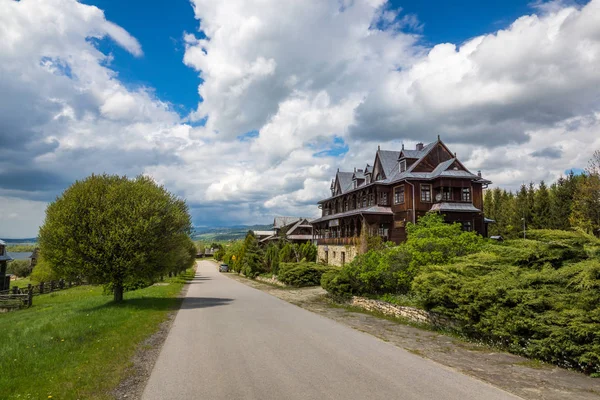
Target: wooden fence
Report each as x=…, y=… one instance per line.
x=17, y=297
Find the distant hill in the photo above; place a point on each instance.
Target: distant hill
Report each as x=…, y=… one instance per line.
x=208, y=234
x=20, y=241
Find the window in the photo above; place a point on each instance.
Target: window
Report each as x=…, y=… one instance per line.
x=364, y=201
x=378, y=177
x=426, y=193
x=343, y=257
x=402, y=165
x=399, y=195
x=334, y=254
x=383, y=198
x=466, y=194
x=345, y=205
x=358, y=202
x=371, y=199
x=446, y=194
x=466, y=226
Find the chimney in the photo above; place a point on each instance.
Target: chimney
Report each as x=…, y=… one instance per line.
x=479, y=173
x=419, y=146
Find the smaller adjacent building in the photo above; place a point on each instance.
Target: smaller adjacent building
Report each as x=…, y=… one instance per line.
x=293, y=229
x=4, y=259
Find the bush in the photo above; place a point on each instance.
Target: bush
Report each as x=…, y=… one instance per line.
x=43, y=272
x=390, y=270
x=536, y=310
x=20, y=268
x=302, y=274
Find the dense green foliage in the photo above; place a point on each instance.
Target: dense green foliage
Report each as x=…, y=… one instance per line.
x=251, y=259
x=392, y=269
x=117, y=231
x=77, y=343
x=571, y=202
x=20, y=268
x=302, y=273
x=539, y=298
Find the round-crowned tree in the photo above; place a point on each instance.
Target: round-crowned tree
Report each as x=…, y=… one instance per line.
x=117, y=231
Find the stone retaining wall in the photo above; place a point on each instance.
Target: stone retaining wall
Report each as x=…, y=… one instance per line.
x=273, y=280
x=411, y=313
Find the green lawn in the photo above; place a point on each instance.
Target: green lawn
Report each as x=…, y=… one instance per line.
x=77, y=344
x=22, y=282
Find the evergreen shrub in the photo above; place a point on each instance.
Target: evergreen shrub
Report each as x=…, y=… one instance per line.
x=302, y=273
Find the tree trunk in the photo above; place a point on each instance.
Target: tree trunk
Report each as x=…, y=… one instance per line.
x=118, y=292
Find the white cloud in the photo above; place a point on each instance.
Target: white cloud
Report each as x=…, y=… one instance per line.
x=310, y=77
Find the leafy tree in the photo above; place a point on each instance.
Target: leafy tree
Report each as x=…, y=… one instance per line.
x=115, y=231
x=20, y=268
x=434, y=242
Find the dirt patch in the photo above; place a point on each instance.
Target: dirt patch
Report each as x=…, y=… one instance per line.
x=132, y=387
x=521, y=376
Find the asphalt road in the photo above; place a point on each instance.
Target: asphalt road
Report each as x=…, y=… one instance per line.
x=230, y=341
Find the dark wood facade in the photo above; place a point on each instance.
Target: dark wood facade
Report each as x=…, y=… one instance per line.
x=401, y=187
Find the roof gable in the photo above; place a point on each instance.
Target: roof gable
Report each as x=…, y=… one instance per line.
x=385, y=163
x=343, y=182
x=433, y=155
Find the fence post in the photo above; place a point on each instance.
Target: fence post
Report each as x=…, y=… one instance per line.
x=70, y=283
x=15, y=290
x=51, y=286
x=41, y=287
x=29, y=295
x=61, y=283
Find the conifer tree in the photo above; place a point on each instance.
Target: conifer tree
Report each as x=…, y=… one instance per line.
x=541, y=214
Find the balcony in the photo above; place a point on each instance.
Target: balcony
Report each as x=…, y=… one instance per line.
x=345, y=241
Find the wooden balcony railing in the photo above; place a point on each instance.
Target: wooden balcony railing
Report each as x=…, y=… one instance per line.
x=345, y=241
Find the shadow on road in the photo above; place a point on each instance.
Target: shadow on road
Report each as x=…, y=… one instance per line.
x=204, y=302
x=199, y=279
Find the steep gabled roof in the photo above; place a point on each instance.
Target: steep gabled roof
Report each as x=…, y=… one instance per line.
x=388, y=160
x=301, y=222
x=410, y=154
x=280, y=222
x=344, y=180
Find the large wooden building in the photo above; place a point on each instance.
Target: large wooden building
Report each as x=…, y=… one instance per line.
x=398, y=188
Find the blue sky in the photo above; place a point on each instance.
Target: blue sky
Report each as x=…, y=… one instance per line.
x=159, y=27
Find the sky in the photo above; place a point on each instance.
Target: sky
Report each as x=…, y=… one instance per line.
x=246, y=108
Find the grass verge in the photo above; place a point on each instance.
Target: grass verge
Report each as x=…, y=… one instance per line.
x=76, y=343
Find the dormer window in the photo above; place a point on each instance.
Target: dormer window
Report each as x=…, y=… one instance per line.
x=378, y=177
x=402, y=165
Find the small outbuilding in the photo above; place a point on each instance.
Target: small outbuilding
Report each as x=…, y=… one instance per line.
x=4, y=259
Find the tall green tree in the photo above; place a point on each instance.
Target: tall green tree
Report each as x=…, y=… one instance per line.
x=522, y=215
x=251, y=259
x=272, y=258
x=561, y=200
x=116, y=231
x=585, y=212
x=541, y=208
